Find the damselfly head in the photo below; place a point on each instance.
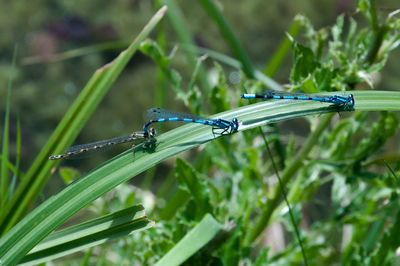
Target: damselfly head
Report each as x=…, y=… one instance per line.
x=350, y=101
x=235, y=124
x=149, y=133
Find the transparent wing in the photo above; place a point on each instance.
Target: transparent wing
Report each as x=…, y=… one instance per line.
x=294, y=94
x=157, y=113
x=77, y=151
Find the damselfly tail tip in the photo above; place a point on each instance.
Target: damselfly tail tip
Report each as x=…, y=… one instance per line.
x=249, y=96
x=55, y=157
x=246, y=96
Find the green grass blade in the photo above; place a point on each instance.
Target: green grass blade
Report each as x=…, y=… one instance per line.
x=68, y=129
x=285, y=197
x=178, y=23
x=377, y=100
x=193, y=241
x=89, y=234
x=176, y=201
x=85, y=260
x=107, y=46
x=279, y=55
x=226, y=31
x=17, y=175
x=4, y=169
x=13, y=168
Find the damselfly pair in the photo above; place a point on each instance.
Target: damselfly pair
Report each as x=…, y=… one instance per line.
x=156, y=115
x=219, y=126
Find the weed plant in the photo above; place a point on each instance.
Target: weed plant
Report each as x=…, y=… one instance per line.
x=319, y=188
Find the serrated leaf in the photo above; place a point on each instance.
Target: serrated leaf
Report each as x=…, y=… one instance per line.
x=304, y=63
x=151, y=49
x=323, y=78
x=389, y=243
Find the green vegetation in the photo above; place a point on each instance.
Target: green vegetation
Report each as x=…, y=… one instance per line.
x=264, y=195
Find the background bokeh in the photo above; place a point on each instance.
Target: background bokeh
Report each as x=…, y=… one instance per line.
x=42, y=90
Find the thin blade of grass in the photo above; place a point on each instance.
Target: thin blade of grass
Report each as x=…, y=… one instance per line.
x=266, y=213
x=279, y=55
x=4, y=169
x=284, y=194
x=227, y=32
x=16, y=173
x=88, y=234
x=13, y=169
x=75, y=53
x=178, y=23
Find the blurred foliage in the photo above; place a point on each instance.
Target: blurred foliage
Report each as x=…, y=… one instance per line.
x=343, y=197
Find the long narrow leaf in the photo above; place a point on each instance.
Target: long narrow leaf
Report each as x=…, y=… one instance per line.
x=226, y=31
x=89, y=234
x=4, y=169
x=276, y=60
x=75, y=53
x=178, y=23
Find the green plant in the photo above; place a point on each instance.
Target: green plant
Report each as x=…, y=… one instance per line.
x=232, y=191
